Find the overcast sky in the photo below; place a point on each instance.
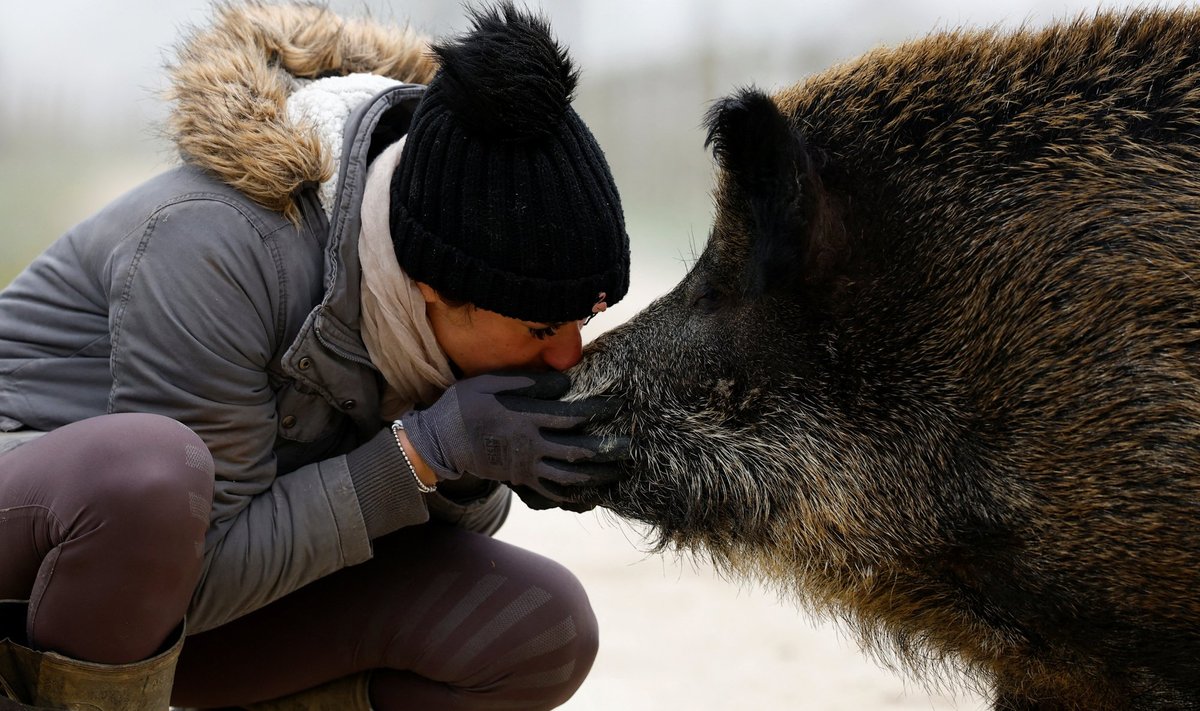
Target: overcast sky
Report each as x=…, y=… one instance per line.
x=100, y=57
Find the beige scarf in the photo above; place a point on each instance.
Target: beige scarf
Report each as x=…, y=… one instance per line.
x=395, y=328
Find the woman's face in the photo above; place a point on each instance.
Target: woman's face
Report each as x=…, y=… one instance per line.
x=479, y=341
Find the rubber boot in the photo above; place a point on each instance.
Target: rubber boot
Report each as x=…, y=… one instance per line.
x=48, y=680
x=12, y=627
x=350, y=693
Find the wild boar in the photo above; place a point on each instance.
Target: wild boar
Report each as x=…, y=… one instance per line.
x=937, y=369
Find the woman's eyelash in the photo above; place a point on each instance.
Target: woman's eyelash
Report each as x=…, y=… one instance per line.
x=543, y=333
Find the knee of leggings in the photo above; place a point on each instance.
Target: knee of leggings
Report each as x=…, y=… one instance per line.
x=569, y=601
x=552, y=663
x=156, y=477
x=569, y=666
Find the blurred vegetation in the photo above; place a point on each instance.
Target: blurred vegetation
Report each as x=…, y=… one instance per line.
x=48, y=183
x=55, y=170
x=66, y=149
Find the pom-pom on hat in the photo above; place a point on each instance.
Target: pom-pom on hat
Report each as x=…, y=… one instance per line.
x=502, y=197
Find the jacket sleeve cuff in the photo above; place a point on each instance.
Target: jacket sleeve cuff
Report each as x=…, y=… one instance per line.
x=385, y=486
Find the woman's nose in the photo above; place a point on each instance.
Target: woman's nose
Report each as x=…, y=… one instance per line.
x=565, y=348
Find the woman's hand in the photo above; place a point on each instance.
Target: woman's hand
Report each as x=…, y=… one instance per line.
x=514, y=429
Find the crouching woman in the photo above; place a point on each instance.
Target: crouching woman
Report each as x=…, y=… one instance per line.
x=283, y=391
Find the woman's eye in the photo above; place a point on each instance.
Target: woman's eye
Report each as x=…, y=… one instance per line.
x=542, y=333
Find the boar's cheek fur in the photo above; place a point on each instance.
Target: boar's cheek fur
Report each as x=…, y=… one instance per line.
x=938, y=367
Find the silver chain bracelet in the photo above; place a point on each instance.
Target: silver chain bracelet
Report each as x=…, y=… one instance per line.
x=421, y=486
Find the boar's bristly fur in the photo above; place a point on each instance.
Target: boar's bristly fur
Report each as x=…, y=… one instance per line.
x=937, y=369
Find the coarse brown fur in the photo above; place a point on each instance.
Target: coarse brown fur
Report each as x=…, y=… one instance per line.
x=230, y=84
x=937, y=370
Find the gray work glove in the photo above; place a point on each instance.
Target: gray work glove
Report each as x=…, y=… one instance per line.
x=513, y=428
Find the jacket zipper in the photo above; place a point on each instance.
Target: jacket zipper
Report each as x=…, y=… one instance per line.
x=342, y=351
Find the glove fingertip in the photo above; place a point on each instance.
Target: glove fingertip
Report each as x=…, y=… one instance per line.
x=550, y=385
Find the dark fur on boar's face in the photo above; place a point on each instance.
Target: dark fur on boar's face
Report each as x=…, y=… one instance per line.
x=937, y=369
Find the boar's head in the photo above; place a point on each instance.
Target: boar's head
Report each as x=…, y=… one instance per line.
x=746, y=387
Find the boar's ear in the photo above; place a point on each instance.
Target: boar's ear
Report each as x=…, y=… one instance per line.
x=797, y=242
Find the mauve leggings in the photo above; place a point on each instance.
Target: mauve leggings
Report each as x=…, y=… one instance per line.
x=102, y=525
x=445, y=618
x=102, y=529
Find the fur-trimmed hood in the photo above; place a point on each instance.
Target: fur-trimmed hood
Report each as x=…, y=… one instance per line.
x=230, y=83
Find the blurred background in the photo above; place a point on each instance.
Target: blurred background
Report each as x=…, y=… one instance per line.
x=79, y=116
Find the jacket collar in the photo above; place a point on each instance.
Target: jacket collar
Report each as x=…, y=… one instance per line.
x=330, y=337
x=340, y=308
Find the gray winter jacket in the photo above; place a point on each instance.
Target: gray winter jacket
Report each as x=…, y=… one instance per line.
x=188, y=299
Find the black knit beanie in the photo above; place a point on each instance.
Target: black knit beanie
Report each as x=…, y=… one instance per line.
x=502, y=197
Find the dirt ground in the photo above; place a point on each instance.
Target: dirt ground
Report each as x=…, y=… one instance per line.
x=676, y=636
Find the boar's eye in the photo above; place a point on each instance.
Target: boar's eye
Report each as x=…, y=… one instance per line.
x=706, y=298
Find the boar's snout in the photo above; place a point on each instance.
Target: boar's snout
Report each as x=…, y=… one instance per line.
x=696, y=468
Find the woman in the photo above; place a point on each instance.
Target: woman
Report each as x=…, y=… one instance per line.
x=260, y=389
